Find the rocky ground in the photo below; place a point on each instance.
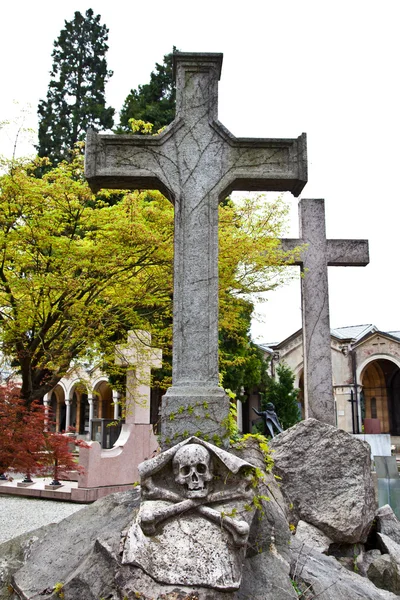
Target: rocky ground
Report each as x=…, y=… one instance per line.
x=318, y=536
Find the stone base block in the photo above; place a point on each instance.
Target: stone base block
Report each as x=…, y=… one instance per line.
x=199, y=411
x=22, y=484
x=52, y=487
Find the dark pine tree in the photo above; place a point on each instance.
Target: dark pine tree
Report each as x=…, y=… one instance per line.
x=76, y=94
x=153, y=102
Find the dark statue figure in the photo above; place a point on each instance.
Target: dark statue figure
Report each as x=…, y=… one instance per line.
x=270, y=418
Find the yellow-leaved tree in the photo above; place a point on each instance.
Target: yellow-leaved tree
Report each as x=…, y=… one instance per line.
x=78, y=270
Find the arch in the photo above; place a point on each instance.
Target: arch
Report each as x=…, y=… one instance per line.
x=76, y=390
x=96, y=382
x=365, y=363
x=57, y=407
x=74, y=383
x=61, y=384
x=379, y=378
x=298, y=374
x=102, y=392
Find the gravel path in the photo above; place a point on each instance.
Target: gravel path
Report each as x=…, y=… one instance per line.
x=19, y=515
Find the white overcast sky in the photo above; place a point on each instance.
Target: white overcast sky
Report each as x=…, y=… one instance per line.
x=328, y=68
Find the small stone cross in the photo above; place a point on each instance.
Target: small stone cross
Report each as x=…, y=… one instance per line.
x=316, y=257
x=195, y=162
x=138, y=355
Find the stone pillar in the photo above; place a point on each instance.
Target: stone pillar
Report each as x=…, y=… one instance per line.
x=100, y=407
x=78, y=410
x=90, y=402
x=46, y=411
x=68, y=414
x=57, y=415
x=115, y=399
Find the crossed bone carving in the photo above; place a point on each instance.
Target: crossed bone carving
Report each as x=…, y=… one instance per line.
x=150, y=518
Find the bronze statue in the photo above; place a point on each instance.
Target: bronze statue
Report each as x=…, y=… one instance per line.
x=270, y=418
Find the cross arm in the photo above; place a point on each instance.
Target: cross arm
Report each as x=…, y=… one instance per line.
x=288, y=245
x=340, y=253
x=347, y=253
x=131, y=161
x=264, y=164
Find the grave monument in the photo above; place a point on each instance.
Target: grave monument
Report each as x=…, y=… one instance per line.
x=317, y=255
x=195, y=162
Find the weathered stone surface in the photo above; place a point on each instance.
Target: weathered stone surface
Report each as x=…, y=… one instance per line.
x=387, y=523
x=192, y=526
x=389, y=546
x=365, y=559
x=326, y=479
x=84, y=554
x=57, y=557
x=188, y=551
x=329, y=580
x=312, y=536
x=266, y=577
x=384, y=573
x=13, y=554
x=195, y=162
x=274, y=515
x=318, y=254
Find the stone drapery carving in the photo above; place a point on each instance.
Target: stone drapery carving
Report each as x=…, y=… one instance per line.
x=195, y=501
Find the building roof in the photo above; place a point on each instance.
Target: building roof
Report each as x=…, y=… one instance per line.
x=395, y=334
x=351, y=332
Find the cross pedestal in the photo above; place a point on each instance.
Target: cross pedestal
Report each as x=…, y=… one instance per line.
x=315, y=258
x=195, y=162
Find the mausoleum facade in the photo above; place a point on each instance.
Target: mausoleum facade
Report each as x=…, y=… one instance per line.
x=365, y=372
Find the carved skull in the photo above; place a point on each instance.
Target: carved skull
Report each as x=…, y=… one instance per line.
x=193, y=470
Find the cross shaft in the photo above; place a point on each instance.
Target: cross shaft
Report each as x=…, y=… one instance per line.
x=314, y=260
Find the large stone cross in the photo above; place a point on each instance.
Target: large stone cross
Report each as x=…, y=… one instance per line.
x=195, y=162
x=315, y=258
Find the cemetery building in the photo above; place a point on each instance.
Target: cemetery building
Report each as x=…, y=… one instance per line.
x=81, y=396
x=365, y=373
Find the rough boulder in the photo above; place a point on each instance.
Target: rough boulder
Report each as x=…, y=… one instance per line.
x=326, y=479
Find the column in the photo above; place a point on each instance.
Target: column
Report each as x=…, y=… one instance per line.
x=68, y=414
x=78, y=411
x=46, y=411
x=90, y=401
x=115, y=399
